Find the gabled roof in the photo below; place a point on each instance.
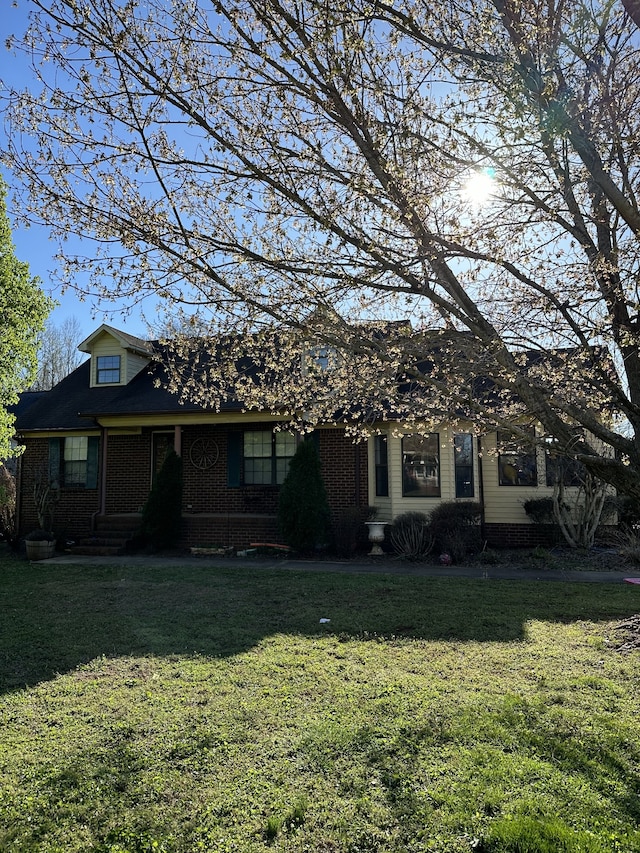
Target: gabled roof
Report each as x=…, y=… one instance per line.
x=125, y=340
x=73, y=405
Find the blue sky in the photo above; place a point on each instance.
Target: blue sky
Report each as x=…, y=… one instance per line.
x=33, y=244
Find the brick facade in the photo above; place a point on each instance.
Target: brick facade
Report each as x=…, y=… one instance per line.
x=530, y=535
x=214, y=512
x=75, y=508
x=521, y=535
x=128, y=477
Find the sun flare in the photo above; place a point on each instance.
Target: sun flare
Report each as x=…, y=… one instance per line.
x=480, y=187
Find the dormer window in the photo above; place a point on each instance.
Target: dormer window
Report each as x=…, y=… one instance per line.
x=116, y=357
x=107, y=369
x=320, y=359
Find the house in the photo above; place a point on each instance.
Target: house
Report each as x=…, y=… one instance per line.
x=102, y=433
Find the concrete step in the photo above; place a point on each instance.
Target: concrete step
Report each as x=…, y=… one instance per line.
x=103, y=540
x=125, y=535
x=113, y=535
x=129, y=523
x=97, y=550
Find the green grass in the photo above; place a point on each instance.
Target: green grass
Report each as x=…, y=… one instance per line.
x=209, y=710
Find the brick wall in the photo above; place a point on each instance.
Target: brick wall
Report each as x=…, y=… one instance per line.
x=128, y=472
x=218, y=514
x=206, y=489
x=214, y=512
x=344, y=470
x=75, y=507
x=521, y=535
x=223, y=529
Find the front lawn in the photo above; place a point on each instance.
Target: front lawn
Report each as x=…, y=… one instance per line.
x=145, y=709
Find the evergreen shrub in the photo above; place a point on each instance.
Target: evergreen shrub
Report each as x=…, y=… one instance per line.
x=162, y=512
x=303, y=508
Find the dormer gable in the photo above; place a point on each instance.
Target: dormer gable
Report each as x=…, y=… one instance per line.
x=116, y=357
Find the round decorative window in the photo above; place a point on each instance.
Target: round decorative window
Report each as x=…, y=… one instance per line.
x=203, y=453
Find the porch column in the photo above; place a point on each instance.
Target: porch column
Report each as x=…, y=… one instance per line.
x=103, y=472
x=177, y=440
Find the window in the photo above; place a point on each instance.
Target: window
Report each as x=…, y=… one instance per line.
x=382, y=466
x=516, y=461
x=266, y=456
x=320, y=358
x=463, y=462
x=73, y=461
x=74, y=468
x=421, y=466
x=107, y=369
x=559, y=468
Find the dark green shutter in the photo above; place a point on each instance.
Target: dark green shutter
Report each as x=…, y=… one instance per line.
x=234, y=459
x=55, y=447
x=93, y=450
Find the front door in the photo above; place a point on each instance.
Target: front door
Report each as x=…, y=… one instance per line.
x=161, y=444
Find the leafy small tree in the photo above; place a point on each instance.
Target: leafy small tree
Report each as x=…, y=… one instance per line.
x=162, y=512
x=8, y=527
x=23, y=309
x=303, y=509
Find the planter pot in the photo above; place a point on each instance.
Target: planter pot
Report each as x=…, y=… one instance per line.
x=42, y=550
x=376, y=536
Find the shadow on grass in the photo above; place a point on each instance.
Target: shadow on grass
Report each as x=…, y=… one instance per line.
x=56, y=617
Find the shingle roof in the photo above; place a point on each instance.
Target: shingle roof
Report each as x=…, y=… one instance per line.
x=72, y=404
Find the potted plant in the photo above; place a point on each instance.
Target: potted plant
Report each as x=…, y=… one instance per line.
x=40, y=544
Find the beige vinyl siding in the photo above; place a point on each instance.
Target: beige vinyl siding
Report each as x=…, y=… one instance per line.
x=134, y=364
x=395, y=504
x=106, y=345
x=503, y=504
x=130, y=364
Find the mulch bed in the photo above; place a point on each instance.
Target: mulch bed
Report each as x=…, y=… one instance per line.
x=629, y=634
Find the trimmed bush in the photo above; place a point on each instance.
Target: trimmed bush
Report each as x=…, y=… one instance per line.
x=539, y=510
x=303, y=509
x=455, y=526
x=162, y=512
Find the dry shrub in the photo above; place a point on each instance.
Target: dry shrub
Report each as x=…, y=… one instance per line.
x=411, y=536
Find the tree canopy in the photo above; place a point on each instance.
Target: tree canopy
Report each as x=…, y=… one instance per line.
x=307, y=172
x=23, y=311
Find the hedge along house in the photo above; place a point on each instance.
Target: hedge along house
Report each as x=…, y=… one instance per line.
x=102, y=433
